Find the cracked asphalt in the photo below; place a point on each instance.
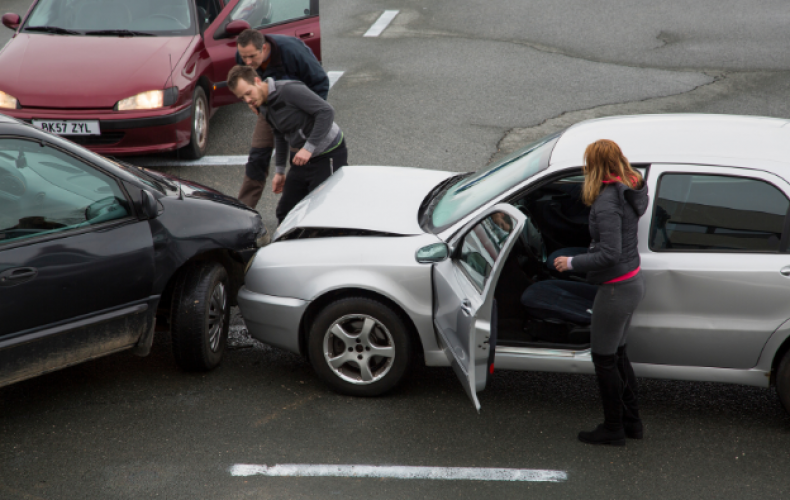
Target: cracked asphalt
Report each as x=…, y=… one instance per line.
x=450, y=85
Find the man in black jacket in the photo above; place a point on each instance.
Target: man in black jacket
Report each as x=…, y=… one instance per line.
x=302, y=122
x=282, y=58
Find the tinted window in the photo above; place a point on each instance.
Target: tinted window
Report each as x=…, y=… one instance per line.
x=261, y=13
x=43, y=190
x=481, y=247
x=159, y=17
x=715, y=212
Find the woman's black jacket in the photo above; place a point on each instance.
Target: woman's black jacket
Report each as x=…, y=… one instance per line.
x=614, y=224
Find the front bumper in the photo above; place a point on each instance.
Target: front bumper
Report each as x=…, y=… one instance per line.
x=272, y=320
x=123, y=133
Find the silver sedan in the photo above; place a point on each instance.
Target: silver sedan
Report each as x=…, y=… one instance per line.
x=382, y=266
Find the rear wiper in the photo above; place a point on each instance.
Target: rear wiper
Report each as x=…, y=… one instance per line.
x=53, y=29
x=118, y=32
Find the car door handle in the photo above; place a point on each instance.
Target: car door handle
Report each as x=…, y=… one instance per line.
x=17, y=275
x=466, y=307
x=306, y=35
x=785, y=271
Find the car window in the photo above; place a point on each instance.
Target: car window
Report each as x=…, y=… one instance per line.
x=158, y=17
x=481, y=246
x=208, y=10
x=717, y=213
x=260, y=13
x=43, y=190
x=470, y=193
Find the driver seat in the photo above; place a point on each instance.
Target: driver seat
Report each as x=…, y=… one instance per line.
x=560, y=311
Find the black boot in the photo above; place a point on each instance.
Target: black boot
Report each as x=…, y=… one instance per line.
x=631, y=420
x=611, y=386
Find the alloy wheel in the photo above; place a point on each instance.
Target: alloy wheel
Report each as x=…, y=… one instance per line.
x=359, y=349
x=216, y=315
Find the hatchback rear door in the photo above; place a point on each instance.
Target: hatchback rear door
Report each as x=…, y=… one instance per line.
x=464, y=307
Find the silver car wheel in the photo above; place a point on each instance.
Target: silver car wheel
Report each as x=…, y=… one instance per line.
x=359, y=349
x=216, y=316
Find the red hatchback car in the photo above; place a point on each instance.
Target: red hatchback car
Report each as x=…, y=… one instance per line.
x=132, y=78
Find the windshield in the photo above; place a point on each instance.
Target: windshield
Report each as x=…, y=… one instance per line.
x=144, y=17
x=470, y=193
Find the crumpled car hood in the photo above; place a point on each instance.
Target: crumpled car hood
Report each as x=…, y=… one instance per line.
x=383, y=199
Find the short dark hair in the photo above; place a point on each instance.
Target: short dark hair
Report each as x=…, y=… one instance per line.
x=251, y=36
x=240, y=72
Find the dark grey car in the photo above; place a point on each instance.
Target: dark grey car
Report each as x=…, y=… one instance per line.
x=92, y=251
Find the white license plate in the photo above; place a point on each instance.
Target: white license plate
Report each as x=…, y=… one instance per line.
x=69, y=127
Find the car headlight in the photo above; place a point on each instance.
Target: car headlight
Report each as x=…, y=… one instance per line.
x=8, y=101
x=153, y=99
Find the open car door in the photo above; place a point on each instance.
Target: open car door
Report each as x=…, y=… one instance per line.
x=464, y=307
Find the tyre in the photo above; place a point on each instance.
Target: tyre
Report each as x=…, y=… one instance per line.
x=783, y=381
x=200, y=316
x=199, y=138
x=359, y=347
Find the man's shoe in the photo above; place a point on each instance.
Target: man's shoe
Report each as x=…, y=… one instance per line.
x=633, y=430
x=602, y=435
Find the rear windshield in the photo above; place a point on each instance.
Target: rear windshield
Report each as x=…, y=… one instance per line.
x=84, y=17
x=471, y=193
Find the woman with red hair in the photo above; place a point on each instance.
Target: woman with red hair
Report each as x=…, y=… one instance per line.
x=617, y=196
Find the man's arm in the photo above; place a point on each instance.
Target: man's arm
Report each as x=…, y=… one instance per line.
x=307, y=67
x=322, y=112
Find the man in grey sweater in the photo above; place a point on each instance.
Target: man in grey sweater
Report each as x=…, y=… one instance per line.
x=300, y=120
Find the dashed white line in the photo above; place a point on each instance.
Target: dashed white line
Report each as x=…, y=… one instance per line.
x=206, y=161
x=214, y=161
x=399, y=472
x=382, y=23
x=334, y=76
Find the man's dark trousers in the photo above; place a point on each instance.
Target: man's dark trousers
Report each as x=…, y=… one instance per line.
x=302, y=179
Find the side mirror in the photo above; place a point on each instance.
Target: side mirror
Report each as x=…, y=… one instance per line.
x=149, y=205
x=436, y=252
x=12, y=21
x=235, y=27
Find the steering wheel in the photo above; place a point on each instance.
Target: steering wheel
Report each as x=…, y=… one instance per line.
x=165, y=16
x=101, y=207
x=532, y=239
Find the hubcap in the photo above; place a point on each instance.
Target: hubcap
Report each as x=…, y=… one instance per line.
x=201, y=122
x=216, y=316
x=359, y=349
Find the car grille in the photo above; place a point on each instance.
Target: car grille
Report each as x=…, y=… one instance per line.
x=106, y=138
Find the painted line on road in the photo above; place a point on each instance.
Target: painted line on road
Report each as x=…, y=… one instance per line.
x=206, y=161
x=382, y=23
x=214, y=161
x=334, y=76
x=399, y=472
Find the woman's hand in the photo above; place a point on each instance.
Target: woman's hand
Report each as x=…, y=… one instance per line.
x=561, y=264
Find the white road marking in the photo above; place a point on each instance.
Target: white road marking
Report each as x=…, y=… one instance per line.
x=214, y=161
x=382, y=23
x=399, y=472
x=334, y=76
x=206, y=161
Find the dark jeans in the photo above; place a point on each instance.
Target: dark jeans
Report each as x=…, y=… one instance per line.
x=302, y=179
x=564, y=300
x=614, y=306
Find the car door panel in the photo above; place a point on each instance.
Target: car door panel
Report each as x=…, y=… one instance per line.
x=222, y=48
x=708, y=308
x=464, y=312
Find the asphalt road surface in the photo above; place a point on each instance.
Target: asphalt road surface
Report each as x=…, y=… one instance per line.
x=449, y=84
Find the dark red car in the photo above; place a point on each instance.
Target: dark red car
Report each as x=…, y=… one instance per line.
x=131, y=78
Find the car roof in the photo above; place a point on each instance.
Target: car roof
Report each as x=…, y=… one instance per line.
x=7, y=119
x=682, y=138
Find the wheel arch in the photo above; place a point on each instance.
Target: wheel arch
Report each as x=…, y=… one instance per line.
x=230, y=260
x=333, y=295
x=783, y=350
